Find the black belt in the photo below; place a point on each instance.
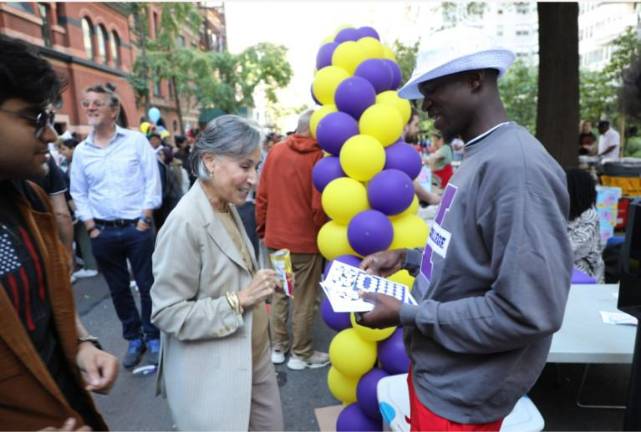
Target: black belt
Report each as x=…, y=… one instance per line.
x=116, y=222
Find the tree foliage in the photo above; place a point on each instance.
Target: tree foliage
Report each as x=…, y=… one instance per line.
x=599, y=89
x=519, y=92
x=405, y=57
x=236, y=76
x=211, y=79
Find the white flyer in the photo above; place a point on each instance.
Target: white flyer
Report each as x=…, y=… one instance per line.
x=344, y=283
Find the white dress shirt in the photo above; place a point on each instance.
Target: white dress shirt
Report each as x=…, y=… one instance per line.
x=610, y=138
x=118, y=181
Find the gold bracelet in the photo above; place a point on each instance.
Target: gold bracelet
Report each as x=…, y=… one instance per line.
x=234, y=302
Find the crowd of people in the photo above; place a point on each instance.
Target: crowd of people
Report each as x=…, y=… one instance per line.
x=191, y=222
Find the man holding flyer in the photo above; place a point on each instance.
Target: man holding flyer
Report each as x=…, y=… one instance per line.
x=493, y=279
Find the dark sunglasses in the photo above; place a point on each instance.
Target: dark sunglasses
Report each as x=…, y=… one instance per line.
x=41, y=120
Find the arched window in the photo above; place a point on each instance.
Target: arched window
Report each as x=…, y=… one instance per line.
x=101, y=39
x=87, y=37
x=114, y=44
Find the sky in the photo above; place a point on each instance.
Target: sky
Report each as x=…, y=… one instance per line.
x=302, y=26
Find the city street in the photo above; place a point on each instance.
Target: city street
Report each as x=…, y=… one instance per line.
x=132, y=404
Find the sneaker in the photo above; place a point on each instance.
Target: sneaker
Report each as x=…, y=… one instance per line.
x=73, y=279
x=278, y=357
x=316, y=360
x=134, y=353
x=85, y=273
x=153, y=351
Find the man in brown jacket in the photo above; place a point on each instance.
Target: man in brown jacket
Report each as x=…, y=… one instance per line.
x=288, y=216
x=48, y=360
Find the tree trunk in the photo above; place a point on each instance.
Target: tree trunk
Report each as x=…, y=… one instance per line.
x=557, y=119
x=178, y=109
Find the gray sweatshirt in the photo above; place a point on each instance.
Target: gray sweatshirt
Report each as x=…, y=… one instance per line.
x=493, y=279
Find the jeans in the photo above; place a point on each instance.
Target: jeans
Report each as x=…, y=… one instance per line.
x=112, y=248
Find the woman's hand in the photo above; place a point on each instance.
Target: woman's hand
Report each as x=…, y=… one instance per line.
x=261, y=287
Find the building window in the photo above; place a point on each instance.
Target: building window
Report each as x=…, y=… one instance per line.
x=102, y=38
x=522, y=8
x=154, y=23
x=180, y=41
x=170, y=85
x=45, y=26
x=175, y=123
x=157, y=86
x=23, y=6
x=114, y=45
x=87, y=37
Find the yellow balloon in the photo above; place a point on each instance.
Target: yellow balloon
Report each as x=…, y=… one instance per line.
x=350, y=354
x=344, y=198
x=403, y=106
x=388, y=53
x=370, y=334
x=402, y=277
x=144, y=127
x=410, y=231
x=348, y=55
x=318, y=115
x=372, y=48
x=325, y=83
x=332, y=241
x=342, y=387
x=362, y=157
x=165, y=134
x=383, y=122
x=411, y=210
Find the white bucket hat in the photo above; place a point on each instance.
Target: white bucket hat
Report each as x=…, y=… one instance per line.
x=454, y=50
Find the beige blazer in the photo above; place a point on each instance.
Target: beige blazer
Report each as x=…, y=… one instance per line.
x=205, y=369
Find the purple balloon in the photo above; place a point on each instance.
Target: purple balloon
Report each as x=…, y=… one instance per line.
x=366, y=394
x=404, y=157
x=335, y=320
x=354, y=95
x=368, y=31
x=326, y=170
x=392, y=354
x=369, y=231
x=397, y=77
x=352, y=418
x=324, y=56
x=580, y=277
x=311, y=90
x=377, y=73
x=348, y=34
x=346, y=259
x=334, y=129
x=390, y=191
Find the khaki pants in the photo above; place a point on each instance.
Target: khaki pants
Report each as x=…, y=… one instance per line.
x=307, y=272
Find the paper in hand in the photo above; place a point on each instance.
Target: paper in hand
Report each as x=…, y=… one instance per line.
x=344, y=284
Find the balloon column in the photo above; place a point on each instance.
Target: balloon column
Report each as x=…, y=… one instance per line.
x=367, y=191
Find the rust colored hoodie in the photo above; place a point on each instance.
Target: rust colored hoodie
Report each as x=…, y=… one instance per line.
x=288, y=206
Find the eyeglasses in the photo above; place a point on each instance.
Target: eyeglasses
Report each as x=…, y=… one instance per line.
x=41, y=120
x=97, y=103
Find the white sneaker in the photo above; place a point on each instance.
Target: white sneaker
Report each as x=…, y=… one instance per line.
x=278, y=357
x=85, y=273
x=315, y=361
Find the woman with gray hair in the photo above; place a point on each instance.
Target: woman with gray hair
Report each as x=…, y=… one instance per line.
x=208, y=295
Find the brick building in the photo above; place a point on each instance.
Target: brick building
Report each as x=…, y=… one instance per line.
x=92, y=43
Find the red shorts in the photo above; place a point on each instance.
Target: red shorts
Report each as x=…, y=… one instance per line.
x=422, y=419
